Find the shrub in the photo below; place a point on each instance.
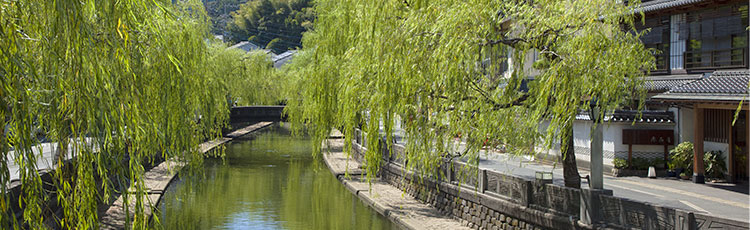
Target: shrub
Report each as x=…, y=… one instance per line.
x=715, y=165
x=640, y=163
x=682, y=157
x=657, y=162
x=620, y=163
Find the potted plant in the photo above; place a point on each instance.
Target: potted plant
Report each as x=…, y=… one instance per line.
x=682, y=159
x=715, y=165
x=671, y=173
x=684, y=176
x=620, y=165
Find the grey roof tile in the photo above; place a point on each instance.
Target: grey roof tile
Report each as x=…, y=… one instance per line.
x=721, y=82
x=727, y=85
x=656, y=86
x=648, y=6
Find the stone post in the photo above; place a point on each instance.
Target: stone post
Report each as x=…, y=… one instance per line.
x=597, y=152
x=684, y=220
x=592, y=207
x=449, y=171
x=482, y=180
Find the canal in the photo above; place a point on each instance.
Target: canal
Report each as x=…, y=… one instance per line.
x=269, y=181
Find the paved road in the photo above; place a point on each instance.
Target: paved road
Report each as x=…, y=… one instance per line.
x=717, y=199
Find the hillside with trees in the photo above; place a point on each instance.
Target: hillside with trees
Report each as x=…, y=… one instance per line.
x=276, y=24
x=220, y=13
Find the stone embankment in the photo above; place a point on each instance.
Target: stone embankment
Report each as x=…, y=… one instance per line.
x=158, y=179
x=404, y=211
x=485, y=199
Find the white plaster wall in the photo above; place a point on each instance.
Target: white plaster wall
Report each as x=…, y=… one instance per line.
x=612, y=135
x=686, y=121
x=714, y=146
x=582, y=134
x=618, y=146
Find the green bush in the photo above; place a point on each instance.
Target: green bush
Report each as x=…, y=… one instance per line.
x=715, y=165
x=620, y=163
x=657, y=162
x=682, y=157
x=638, y=163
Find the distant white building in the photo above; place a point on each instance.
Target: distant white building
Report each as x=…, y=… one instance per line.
x=219, y=37
x=246, y=46
x=283, y=58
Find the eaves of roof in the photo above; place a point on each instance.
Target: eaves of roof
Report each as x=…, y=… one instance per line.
x=647, y=116
x=656, y=5
x=731, y=85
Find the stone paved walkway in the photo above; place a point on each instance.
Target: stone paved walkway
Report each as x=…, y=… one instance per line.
x=386, y=199
x=158, y=178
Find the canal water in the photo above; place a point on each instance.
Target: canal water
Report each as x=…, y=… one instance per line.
x=268, y=182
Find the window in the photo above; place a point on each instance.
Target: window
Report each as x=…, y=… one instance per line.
x=716, y=37
x=657, y=39
x=716, y=123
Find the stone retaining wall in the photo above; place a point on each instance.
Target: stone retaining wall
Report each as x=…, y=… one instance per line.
x=449, y=201
x=485, y=199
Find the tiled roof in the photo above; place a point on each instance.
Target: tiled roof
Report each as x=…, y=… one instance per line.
x=731, y=85
x=732, y=73
x=664, y=85
x=648, y=6
x=246, y=46
x=647, y=116
x=283, y=58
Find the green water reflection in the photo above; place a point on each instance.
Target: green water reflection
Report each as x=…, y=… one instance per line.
x=270, y=182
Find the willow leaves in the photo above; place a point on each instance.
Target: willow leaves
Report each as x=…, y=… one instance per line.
x=463, y=69
x=114, y=85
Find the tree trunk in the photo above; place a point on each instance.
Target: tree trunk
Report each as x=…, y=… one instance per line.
x=567, y=148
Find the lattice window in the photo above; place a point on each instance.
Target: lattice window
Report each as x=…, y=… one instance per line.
x=716, y=123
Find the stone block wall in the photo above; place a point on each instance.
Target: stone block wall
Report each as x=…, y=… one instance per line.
x=484, y=199
x=468, y=211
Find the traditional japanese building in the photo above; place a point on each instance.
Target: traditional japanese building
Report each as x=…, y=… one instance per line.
x=702, y=76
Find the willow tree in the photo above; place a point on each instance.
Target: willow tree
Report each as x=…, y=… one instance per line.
x=116, y=85
x=437, y=67
x=250, y=77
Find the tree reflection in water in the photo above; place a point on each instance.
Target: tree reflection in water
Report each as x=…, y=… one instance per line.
x=270, y=182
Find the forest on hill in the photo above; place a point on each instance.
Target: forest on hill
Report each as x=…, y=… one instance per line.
x=274, y=24
x=220, y=13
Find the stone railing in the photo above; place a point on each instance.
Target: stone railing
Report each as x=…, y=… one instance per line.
x=483, y=198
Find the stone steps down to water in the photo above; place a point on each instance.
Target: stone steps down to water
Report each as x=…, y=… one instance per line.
x=402, y=209
x=158, y=178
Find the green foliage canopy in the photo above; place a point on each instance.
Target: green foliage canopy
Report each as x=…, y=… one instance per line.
x=220, y=13
x=250, y=77
x=422, y=63
x=262, y=21
x=116, y=84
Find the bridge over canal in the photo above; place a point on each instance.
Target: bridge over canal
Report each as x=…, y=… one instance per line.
x=261, y=113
